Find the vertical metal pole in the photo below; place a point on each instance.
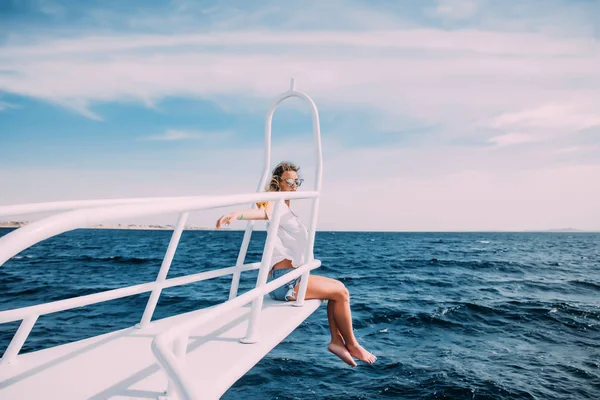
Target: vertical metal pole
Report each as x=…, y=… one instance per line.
x=309, y=255
x=18, y=340
x=162, y=273
x=302, y=290
x=263, y=180
x=235, y=280
x=252, y=332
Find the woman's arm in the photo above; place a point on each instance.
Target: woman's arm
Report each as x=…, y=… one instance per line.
x=239, y=215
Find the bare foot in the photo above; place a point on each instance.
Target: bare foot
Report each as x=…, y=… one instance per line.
x=342, y=352
x=363, y=355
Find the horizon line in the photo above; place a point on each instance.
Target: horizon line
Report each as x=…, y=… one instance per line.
x=167, y=227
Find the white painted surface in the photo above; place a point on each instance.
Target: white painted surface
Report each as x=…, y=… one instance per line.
x=28, y=235
x=34, y=208
x=120, y=365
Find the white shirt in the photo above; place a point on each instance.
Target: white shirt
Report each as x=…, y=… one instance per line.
x=292, y=239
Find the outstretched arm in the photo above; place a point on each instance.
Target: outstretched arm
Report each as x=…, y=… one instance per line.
x=226, y=219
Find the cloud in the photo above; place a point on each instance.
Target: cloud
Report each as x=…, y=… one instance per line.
x=562, y=117
x=441, y=74
x=544, y=123
x=503, y=89
x=79, y=104
x=423, y=39
x=51, y=8
x=455, y=9
x=5, y=106
x=566, y=150
x=580, y=150
x=172, y=135
x=510, y=139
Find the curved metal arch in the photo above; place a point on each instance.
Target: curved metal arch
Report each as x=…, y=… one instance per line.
x=316, y=135
x=292, y=92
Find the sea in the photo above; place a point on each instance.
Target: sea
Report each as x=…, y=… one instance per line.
x=448, y=315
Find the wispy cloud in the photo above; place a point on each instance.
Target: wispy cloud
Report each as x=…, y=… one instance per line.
x=439, y=72
x=544, y=123
x=172, y=135
x=567, y=150
x=510, y=139
x=455, y=9
x=563, y=117
x=423, y=39
x=51, y=8
x=5, y=106
x=79, y=104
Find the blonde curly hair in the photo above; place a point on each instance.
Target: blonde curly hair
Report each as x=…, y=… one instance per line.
x=273, y=184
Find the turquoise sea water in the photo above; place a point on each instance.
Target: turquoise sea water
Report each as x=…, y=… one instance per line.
x=449, y=315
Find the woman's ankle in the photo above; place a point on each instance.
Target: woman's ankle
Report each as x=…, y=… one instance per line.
x=337, y=339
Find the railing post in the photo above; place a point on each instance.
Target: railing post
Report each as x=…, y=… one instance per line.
x=309, y=254
x=164, y=270
x=318, y=173
x=235, y=280
x=252, y=332
x=18, y=340
x=302, y=290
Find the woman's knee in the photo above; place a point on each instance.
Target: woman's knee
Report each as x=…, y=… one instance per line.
x=326, y=289
x=342, y=292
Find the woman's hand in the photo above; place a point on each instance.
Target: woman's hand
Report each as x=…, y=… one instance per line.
x=227, y=218
x=250, y=214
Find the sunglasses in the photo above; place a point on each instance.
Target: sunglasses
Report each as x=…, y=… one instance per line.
x=290, y=182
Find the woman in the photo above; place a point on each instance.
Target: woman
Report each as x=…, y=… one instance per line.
x=289, y=253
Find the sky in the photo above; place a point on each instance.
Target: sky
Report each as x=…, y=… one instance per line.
x=436, y=115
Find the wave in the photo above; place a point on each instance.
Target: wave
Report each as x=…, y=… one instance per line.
x=501, y=265
x=470, y=314
x=585, y=284
x=411, y=319
x=20, y=257
x=6, y=278
x=119, y=259
x=23, y=292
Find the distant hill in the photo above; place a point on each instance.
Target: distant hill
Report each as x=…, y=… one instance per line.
x=18, y=224
x=557, y=230
x=565, y=230
x=12, y=224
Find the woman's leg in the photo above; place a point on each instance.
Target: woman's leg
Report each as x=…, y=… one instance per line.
x=338, y=315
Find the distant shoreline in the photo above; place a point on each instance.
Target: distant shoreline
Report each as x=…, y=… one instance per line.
x=143, y=227
x=156, y=227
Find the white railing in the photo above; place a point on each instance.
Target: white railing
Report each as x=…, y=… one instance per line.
x=266, y=173
x=170, y=357
x=26, y=236
x=90, y=212
x=36, y=208
x=16, y=241
x=169, y=346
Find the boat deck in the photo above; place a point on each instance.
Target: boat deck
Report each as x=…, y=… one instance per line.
x=121, y=365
